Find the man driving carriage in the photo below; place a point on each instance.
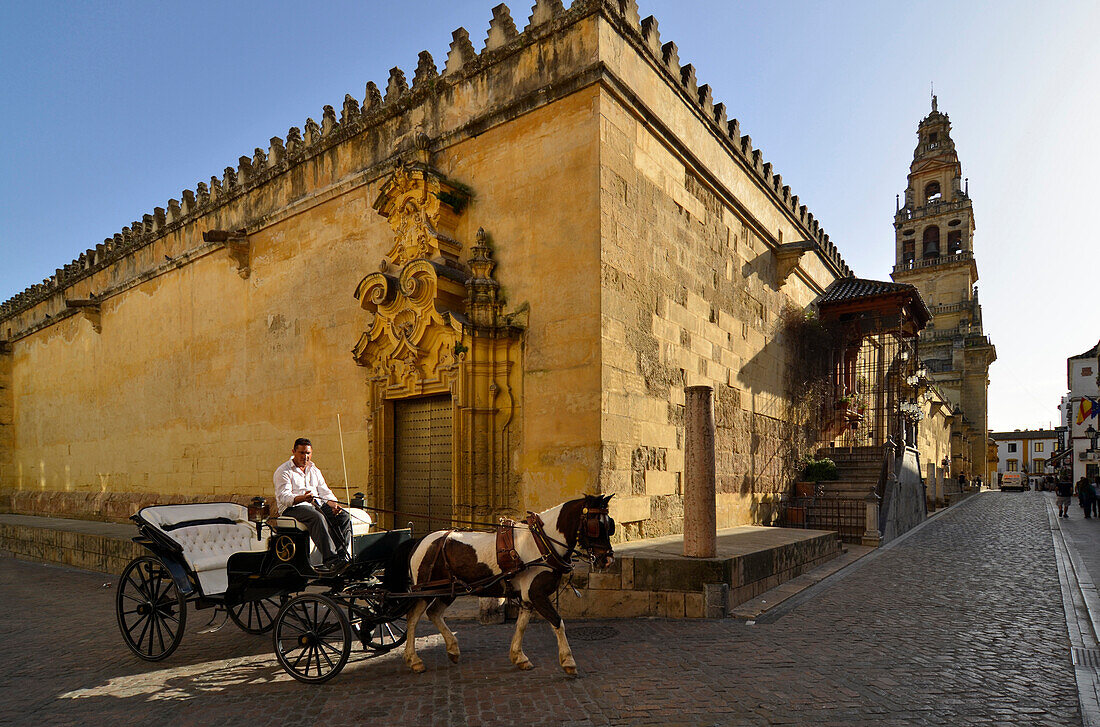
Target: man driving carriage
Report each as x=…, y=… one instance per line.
x=302, y=493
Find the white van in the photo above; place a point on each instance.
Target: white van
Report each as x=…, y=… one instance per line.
x=1013, y=481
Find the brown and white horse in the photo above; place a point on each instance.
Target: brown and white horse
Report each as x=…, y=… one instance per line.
x=544, y=545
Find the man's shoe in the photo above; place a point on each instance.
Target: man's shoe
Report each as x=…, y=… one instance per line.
x=332, y=566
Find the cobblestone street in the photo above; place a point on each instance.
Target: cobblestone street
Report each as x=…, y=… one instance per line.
x=960, y=623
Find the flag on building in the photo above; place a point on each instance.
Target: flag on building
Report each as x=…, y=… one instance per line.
x=1088, y=409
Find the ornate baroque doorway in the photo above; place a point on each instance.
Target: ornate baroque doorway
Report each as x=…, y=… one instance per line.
x=442, y=360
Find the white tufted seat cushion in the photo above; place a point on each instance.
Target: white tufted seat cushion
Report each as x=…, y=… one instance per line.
x=216, y=531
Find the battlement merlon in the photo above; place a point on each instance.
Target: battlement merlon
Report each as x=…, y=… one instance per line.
x=558, y=53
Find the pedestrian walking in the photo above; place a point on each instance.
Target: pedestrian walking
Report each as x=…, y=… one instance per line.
x=1086, y=495
x=1064, y=491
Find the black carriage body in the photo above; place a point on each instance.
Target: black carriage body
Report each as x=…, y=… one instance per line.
x=255, y=586
x=283, y=568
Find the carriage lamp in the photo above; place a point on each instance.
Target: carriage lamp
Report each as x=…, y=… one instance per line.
x=258, y=512
x=358, y=501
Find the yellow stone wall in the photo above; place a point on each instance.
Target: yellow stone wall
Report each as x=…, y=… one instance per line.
x=200, y=380
x=635, y=242
x=690, y=296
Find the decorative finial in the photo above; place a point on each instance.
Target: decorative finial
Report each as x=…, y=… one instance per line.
x=935, y=105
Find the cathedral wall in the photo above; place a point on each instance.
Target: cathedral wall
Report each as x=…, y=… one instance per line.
x=633, y=230
x=536, y=181
x=199, y=379
x=691, y=295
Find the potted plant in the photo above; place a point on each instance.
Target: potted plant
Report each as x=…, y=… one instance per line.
x=814, y=472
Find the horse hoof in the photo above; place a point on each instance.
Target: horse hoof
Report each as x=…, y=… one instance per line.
x=417, y=668
x=571, y=670
x=453, y=658
x=525, y=665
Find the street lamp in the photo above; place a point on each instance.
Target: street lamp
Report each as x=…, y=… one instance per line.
x=1092, y=434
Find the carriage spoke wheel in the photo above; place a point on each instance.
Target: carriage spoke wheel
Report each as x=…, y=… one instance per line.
x=151, y=611
x=385, y=630
x=256, y=617
x=312, y=638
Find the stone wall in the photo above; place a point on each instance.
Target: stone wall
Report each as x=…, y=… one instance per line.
x=640, y=584
x=639, y=234
x=198, y=366
x=691, y=295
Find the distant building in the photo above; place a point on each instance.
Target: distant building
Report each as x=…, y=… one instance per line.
x=1080, y=418
x=1025, y=451
x=934, y=235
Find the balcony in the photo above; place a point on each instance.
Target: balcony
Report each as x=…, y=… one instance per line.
x=938, y=207
x=965, y=256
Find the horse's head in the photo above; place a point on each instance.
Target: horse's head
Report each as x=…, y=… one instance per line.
x=594, y=530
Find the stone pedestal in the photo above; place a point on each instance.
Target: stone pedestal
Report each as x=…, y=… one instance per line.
x=700, y=518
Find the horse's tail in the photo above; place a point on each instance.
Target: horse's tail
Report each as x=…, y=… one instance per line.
x=397, y=577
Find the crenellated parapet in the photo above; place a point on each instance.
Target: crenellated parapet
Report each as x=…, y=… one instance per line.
x=503, y=39
x=666, y=57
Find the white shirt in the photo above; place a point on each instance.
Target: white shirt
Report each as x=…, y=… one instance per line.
x=291, y=481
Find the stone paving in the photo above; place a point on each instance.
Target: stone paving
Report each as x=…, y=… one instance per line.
x=960, y=623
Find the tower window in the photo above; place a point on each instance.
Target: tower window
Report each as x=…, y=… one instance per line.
x=954, y=242
x=932, y=192
x=933, y=137
x=931, y=242
x=908, y=253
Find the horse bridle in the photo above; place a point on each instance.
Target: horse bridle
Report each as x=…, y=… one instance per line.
x=595, y=522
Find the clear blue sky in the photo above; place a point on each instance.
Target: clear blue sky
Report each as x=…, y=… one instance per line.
x=110, y=109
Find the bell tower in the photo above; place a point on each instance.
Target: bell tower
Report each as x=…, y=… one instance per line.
x=934, y=251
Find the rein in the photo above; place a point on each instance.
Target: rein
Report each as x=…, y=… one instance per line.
x=472, y=523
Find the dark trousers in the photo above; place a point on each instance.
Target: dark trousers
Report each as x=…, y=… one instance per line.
x=329, y=530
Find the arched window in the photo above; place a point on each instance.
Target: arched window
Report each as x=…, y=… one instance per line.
x=954, y=242
x=908, y=253
x=932, y=192
x=931, y=246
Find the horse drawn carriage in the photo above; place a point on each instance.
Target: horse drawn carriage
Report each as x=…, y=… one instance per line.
x=260, y=571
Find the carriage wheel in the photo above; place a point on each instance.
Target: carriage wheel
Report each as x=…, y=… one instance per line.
x=312, y=638
x=151, y=611
x=377, y=633
x=256, y=617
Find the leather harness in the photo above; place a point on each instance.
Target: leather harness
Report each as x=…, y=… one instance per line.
x=508, y=559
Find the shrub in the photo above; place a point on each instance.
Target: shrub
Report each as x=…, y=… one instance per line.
x=818, y=470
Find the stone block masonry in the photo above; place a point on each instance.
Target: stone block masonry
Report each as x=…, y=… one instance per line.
x=101, y=547
x=633, y=232
x=652, y=578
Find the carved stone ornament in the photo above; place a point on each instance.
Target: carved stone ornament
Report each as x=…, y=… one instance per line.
x=409, y=345
x=422, y=209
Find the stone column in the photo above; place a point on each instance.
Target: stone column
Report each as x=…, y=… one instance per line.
x=871, y=535
x=700, y=518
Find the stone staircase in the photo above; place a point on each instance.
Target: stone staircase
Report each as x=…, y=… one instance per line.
x=859, y=468
x=841, y=506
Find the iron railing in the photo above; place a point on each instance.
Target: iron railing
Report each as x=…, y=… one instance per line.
x=845, y=516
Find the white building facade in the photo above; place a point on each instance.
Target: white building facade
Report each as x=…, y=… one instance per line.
x=1025, y=451
x=1081, y=412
